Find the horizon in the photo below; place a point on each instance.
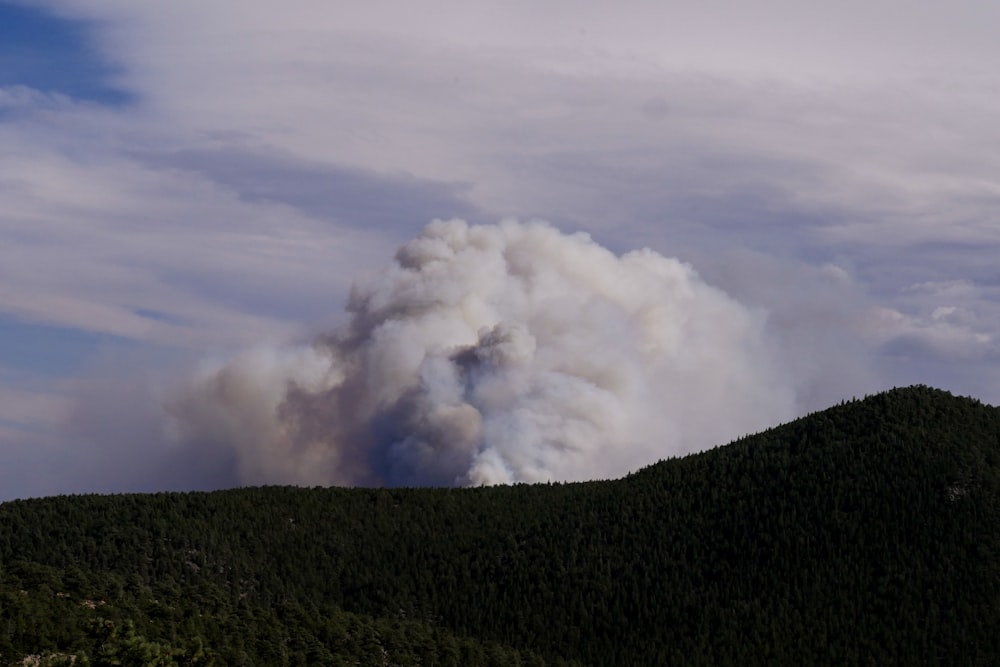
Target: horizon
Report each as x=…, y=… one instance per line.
x=709, y=451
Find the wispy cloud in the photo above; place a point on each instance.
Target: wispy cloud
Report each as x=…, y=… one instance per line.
x=252, y=161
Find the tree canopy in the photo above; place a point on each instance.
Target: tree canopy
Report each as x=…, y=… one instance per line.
x=868, y=532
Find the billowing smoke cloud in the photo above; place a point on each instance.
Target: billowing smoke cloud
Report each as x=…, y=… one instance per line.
x=495, y=354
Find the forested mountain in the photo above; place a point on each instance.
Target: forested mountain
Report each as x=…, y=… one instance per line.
x=866, y=533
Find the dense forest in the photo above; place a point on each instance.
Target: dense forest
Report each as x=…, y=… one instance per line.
x=866, y=533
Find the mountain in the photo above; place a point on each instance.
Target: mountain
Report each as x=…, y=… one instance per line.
x=865, y=533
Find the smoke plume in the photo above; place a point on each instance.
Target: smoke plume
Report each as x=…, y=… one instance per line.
x=493, y=354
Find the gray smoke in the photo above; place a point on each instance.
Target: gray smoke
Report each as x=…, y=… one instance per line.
x=493, y=354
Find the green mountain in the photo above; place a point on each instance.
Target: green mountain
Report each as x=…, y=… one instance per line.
x=866, y=533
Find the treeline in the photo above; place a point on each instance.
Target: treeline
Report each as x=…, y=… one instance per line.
x=866, y=533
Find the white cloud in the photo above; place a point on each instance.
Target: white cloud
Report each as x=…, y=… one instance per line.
x=848, y=149
x=496, y=354
x=109, y=244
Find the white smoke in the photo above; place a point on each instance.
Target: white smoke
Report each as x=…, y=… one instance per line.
x=495, y=354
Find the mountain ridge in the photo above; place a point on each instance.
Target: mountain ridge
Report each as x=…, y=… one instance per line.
x=867, y=531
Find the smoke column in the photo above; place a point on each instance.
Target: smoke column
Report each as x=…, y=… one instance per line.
x=493, y=354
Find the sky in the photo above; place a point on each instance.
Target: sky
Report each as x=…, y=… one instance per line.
x=189, y=191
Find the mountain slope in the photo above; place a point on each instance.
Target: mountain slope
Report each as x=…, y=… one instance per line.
x=867, y=532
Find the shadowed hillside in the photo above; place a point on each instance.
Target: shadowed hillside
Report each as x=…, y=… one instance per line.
x=869, y=532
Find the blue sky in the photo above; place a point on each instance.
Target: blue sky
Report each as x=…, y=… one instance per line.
x=184, y=182
x=43, y=51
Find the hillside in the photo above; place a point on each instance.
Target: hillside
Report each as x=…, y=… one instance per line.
x=866, y=533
